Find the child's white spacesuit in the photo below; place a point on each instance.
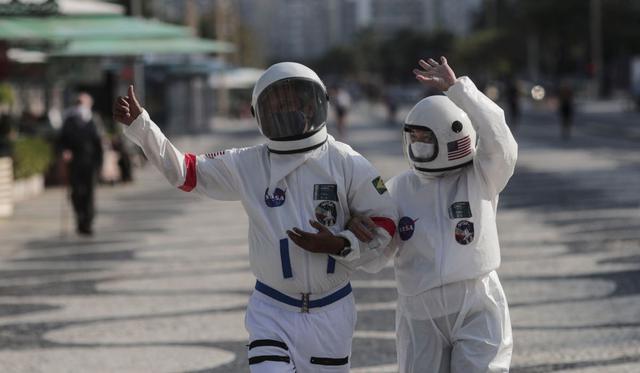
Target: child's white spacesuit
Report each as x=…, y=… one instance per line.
x=452, y=313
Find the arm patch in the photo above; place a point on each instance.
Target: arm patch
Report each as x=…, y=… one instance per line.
x=378, y=183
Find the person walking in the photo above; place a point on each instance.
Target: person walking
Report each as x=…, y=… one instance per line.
x=80, y=144
x=565, y=109
x=342, y=106
x=301, y=315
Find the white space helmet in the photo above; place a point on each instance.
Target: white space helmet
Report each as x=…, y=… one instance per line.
x=290, y=103
x=438, y=136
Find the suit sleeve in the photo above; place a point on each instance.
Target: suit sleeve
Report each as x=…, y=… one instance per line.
x=208, y=176
x=368, y=196
x=497, y=150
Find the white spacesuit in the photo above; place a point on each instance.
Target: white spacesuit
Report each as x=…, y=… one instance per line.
x=301, y=315
x=452, y=313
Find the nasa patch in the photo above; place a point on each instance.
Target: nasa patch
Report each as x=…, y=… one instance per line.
x=326, y=213
x=464, y=232
x=276, y=199
x=406, y=227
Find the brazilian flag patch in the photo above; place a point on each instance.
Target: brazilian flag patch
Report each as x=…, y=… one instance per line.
x=378, y=183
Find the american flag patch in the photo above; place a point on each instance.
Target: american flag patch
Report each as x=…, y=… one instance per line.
x=459, y=149
x=213, y=155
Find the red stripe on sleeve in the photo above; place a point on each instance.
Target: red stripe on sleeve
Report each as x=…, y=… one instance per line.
x=190, y=180
x=385, y=223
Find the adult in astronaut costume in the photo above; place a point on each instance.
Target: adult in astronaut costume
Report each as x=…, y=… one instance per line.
x=301, y=315
x=452, y=314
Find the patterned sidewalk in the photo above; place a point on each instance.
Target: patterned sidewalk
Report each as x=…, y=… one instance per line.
x=163, y=285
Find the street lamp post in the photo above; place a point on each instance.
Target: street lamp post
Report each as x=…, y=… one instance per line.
x=595, y=10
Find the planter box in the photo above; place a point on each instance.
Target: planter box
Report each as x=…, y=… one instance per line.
x=29, y=187
x=6, y=187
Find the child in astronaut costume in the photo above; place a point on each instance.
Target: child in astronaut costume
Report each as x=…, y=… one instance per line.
x=452, y=314
x=301, y=316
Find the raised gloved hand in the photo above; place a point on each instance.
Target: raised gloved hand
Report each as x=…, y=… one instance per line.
x=435, y=75
x=127, y=108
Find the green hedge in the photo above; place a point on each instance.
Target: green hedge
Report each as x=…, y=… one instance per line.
x=30, y=156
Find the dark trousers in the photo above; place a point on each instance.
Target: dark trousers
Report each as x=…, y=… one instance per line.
x=83, y=182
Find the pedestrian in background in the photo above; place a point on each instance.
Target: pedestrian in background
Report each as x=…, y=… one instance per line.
x=342, y=106
x=565, y=109
x=513, y=101
x=119, y=145
x=391, y=104
x=80, y=145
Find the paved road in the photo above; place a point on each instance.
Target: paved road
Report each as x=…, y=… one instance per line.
x=163, y=285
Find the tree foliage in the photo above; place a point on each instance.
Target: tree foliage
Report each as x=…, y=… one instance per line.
x=508, y=35
x=390, y=58
x=562, y=31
